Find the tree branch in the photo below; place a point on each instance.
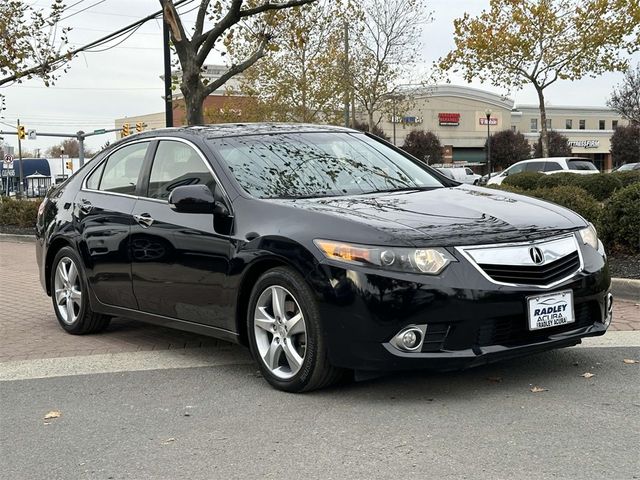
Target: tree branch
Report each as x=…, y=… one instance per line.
x=273, y=6
x=239, y=68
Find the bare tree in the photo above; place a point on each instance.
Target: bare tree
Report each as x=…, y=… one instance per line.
x=226, y=18
x=385, y=41
x=625, y=98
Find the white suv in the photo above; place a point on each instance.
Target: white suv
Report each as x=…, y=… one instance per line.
x=547, y=166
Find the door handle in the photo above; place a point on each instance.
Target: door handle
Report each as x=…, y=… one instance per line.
x=144, y=219
x=85, y=206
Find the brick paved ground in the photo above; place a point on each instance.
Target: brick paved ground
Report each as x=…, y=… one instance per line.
x=28, y=327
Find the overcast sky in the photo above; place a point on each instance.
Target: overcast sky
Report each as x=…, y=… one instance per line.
x=124, y=81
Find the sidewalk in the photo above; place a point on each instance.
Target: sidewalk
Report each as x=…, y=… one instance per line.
x=29, y=329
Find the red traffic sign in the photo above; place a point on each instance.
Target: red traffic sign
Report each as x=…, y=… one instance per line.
x=8, y=158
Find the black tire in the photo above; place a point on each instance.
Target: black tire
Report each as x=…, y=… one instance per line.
x=87, y=321
x=316, y=372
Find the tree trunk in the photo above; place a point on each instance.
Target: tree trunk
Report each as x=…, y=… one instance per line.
x=370, y=113
x=193, y=92
x=544, y=134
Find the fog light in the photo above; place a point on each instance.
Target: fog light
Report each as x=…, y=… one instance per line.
x=409, y=339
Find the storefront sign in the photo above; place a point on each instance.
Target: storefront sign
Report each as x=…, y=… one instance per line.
x=8, y=172
x=584, y=143
x=405, y=120
x=492, y=121
x=449, y=119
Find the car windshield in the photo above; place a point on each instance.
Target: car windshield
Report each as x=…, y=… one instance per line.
x=298, y=165
x=581, y=165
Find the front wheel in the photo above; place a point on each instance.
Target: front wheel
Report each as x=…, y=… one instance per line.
x=286, y=335
x=70, y=295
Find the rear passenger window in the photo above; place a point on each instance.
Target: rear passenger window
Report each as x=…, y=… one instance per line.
x=552, y=167
x=176, y=164
x=123, y=168
x=534, y=167
x=93, y=181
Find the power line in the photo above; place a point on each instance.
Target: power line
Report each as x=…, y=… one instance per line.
x=55, y=63
x=82, y=10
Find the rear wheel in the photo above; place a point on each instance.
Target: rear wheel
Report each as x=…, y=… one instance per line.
x=70, y=295
x=285, y=333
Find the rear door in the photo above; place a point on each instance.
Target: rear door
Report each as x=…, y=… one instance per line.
x=103, y=209
x=179, y=261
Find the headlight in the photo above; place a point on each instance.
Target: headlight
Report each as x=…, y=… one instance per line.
x=416, y=260
x=589, y=236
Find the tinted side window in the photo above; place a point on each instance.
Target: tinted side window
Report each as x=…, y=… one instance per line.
x=122, y=169
x=534, y=167
x=581, y=165
x=517, y=169
x=552, y=167
x=176, y=164
x=93, y=181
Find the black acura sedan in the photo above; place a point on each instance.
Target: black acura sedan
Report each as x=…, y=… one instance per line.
x=324, y=249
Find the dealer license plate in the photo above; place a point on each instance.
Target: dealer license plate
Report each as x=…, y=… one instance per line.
x=550, y=310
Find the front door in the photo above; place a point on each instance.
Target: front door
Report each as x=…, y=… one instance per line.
x=179, y=261
x=103, y=208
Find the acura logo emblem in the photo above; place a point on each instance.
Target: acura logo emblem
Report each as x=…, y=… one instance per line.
x=536, y=255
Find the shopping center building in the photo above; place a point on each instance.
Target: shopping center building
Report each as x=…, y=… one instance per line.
x=458, y=115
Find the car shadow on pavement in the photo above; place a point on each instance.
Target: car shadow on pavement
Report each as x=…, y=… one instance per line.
x=541, y=373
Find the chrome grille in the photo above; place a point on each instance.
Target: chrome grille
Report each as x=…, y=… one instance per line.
x=534, y=274
x=540, y=264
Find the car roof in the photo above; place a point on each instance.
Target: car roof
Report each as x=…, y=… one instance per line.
x=236, y=129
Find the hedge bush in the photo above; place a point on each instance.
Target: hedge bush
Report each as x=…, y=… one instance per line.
x=600, y=186
x=620, y=228
x=524, y=180
x=20, y=213
x=627, y=178
x=560, y=179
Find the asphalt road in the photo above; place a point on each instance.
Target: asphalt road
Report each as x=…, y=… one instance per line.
x=224, y=422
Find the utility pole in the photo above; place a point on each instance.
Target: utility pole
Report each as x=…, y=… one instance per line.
x=62, y=164
x=80, y=136
x=168, y=100
x=347, y=78
x=21, y=186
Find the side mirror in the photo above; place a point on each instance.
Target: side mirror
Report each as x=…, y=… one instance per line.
x=192, y=199
x=505, y=173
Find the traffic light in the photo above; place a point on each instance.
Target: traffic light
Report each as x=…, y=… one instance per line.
x=21, y=132
x=139, y=126
x=126, y=130
x=69, y=164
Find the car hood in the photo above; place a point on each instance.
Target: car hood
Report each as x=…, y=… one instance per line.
x=459, y=215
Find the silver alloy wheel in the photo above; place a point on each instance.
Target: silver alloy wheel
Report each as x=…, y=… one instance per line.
x=280, y=331
x=67, y=290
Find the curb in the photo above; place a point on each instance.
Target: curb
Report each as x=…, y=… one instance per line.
x=10, y=237
x=626, y=289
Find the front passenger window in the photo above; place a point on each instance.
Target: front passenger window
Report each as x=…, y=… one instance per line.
x=176, y=164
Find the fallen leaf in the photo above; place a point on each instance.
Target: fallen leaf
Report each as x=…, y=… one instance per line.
x=588, y=375
x=494, y=379
x=630, y=361
x=168, y=441
x=53, y=414
x=535, y=389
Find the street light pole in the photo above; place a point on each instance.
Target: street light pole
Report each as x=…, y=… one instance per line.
x=488, y=114
x=62, y=164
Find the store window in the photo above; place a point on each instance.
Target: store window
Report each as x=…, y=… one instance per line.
x=602, y=124
x=534, y=124
x=548, y=124
x=568, y=124
x=614, y=124
x=583, y=124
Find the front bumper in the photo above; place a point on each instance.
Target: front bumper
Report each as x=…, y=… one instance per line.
x=470, y=320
